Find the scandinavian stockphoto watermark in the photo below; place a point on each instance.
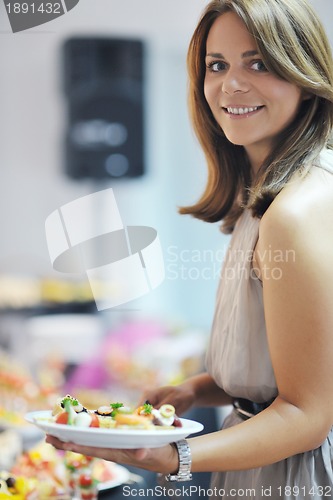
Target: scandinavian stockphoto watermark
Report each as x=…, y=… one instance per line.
x=206, y=264
x=193, y=264
x=24, y=15
x=88, y=236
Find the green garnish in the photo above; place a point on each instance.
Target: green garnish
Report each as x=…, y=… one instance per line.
x=114, y=406
x=67, y=402
x=147, y=408
x=73, y=401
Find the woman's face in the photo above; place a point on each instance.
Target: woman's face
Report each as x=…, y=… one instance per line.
x=250, y=104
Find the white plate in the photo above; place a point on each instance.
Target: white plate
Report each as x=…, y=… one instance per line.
x=113, y=438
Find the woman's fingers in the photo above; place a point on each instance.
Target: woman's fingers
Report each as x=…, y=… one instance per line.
x=129, y=457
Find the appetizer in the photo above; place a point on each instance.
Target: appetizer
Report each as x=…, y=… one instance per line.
x=69, y=411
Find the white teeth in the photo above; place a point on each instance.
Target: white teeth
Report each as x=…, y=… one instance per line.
x=241, y=111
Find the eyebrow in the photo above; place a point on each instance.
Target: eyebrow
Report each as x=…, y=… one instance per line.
x=248, y=53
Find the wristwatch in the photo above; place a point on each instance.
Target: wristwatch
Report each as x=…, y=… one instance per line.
x=185, y=462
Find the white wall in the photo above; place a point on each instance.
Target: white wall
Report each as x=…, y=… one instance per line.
x=32, y=118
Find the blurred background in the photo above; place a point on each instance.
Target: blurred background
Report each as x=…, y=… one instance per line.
x=62, y=85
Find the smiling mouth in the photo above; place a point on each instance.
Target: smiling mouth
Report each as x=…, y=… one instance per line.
x=241, y=111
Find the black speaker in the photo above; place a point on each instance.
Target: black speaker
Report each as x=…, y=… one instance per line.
x=104, y=88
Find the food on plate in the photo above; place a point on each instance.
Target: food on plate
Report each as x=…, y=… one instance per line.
x=60, y=405
x=69, y=411
x=146, y=416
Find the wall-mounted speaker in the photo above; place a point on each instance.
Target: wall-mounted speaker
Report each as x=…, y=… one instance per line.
x=104, y=88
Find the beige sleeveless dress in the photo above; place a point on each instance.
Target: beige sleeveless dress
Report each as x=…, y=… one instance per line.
x=239, y=361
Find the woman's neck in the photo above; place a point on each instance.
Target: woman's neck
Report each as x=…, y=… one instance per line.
x=256, y=157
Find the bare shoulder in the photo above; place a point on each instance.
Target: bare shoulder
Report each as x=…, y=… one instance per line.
x=294, y=256
x=302, y=211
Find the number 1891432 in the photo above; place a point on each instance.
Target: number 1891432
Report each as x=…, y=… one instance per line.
x=34, y=8
x=313, y=491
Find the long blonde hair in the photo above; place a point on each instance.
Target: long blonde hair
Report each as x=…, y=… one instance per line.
x=294, y=47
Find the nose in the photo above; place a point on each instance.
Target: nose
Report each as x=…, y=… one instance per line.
x=234, y=81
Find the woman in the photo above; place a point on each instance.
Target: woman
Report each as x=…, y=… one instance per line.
x=261, y=97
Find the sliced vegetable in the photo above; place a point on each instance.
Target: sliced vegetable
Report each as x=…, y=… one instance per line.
x=62, y=418
x=167, y=410
x=94, y=420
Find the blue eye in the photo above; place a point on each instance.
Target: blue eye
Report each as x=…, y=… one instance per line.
x=216, y=66
x=258, y=66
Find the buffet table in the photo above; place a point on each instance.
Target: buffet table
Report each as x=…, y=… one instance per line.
x=60, y=343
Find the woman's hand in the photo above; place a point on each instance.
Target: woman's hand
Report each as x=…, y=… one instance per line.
x=182, y=397
x=164, y=459
x=199, y=390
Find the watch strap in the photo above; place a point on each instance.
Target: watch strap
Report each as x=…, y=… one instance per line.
x=185, y=462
